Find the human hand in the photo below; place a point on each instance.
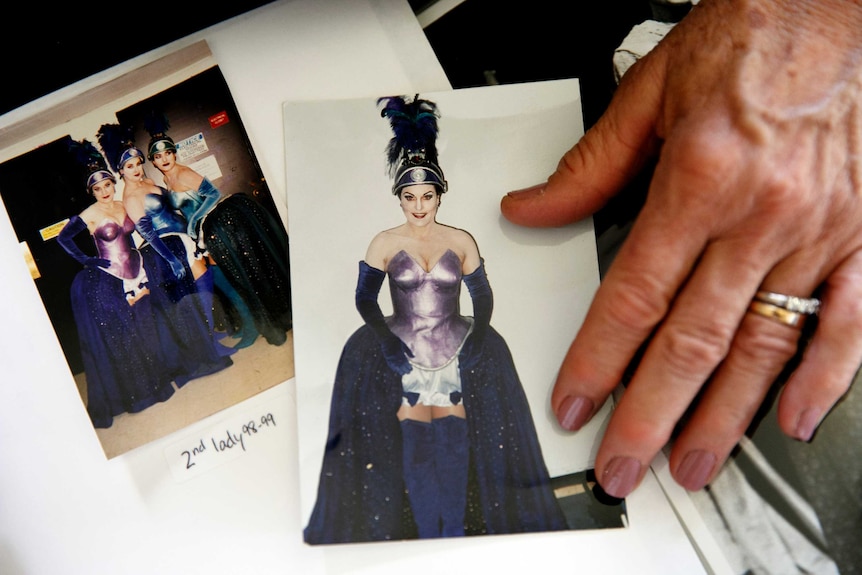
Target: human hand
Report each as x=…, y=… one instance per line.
x=177, y=267
x=396, y=353
x=753, y=111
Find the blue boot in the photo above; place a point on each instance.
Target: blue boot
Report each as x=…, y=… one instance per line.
x=452, y=462
x=248, y=332
x=205, y=290
x=420, y=479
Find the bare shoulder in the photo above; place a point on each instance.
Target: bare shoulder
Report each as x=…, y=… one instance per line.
x=380, y=240
x=88, y=214
x=378, y=249
x=133, y=201
x=464, y=244
x=187, y=178
x=382, y=247
x=132, y=190
x=462, y=240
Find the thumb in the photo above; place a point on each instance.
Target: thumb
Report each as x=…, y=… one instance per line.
x=609, y=155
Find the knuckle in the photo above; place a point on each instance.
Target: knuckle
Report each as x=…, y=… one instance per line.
x=693, y=349
x=701, y=156
x=592, y=145
x=762, y=349
x=850, y=315
x=780, y=195
x=831, y=389
x=648, y=433
x=604, y=140
x=785, y=199
x=731, y=424
x=725, y=419
x=731, y=418
x=844, y=287
x=573, y=160
x=636, y=306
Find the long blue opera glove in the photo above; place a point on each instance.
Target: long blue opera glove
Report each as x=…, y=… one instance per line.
x=145, y=228
x=394, y=350
x=73, y=227
x=483, y=304
x=210, y=196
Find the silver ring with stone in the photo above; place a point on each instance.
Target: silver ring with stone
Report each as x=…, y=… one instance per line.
x=803, y=305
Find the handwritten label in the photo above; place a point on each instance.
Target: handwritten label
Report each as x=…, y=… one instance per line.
x=190, y=457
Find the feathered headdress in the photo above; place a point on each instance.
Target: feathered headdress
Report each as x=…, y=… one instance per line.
x=118, y=143
x=157, y=125
x=91, y=161
x=411, y=154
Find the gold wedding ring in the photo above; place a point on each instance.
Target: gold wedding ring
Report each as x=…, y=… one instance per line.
x=777, y=313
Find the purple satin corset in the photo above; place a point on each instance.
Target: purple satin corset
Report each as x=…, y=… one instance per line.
x=114, y=243
x=426, y=312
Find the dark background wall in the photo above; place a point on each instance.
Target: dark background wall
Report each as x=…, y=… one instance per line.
x=545, y=39
x=49, y=45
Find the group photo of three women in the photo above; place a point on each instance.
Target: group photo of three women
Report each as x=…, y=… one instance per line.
x=156, y=267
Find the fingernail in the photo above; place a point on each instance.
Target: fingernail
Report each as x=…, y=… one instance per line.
x=695, y=469
x=621, y=476
x=531, y=192
x=807, y=424
x=574, y=412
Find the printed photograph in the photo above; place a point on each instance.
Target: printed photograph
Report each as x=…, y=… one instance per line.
x=160, y=257
x=429, y=329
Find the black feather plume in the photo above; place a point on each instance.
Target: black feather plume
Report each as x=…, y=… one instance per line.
x=157, y=124
x=414, y=128
x=114, y=139
x=87, y=156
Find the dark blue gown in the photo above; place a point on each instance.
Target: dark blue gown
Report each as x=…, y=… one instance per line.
x=361, y=493
x=183, y=310
x=125, y=370
x=250, y=247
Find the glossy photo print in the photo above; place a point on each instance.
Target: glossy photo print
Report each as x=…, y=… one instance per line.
x=160, y=257
x=429, y=329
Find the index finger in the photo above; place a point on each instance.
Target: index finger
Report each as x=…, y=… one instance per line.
x=599, y=165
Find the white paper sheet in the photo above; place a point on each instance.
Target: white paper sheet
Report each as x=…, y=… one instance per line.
x=492, y=140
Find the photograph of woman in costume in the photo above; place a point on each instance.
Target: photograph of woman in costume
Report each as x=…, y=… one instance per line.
x=190, y=336
x=111, y=303
x=430, y=431
x=246, y=246
x=182, y=286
